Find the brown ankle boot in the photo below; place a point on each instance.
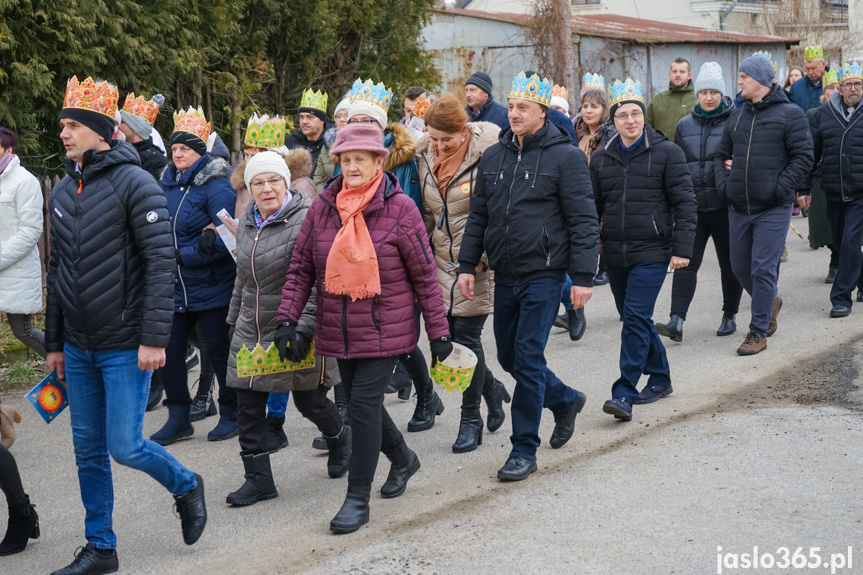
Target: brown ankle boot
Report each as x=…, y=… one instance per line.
x=753, y=344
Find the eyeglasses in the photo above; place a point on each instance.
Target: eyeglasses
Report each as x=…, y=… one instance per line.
x=853, y=85
x=369, y=121
x=258, y=186
x=633, y=115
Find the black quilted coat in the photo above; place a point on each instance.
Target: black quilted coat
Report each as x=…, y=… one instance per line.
x=771, y=151
x=838, y=144
x=647, y=207
x=111, y=272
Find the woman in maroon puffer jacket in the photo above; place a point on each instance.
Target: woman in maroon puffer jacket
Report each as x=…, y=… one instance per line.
x=364, y=245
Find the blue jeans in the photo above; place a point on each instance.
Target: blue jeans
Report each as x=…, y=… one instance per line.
x=107, y=399
x=635, y=291
x=522, y=320
x=277, y=404
x=756, y=243
x=565, y=296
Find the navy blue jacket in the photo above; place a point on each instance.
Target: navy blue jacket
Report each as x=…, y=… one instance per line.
x=560, y=119
x=492, y=112
x=204, y=281
x=806, y=93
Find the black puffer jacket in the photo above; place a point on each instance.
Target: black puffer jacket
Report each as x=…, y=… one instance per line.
x=532, y=211
x=838, y=144
x=771, y=148
x=699, y=139
x=111, y=273
x=647, y=206
x=152, y=158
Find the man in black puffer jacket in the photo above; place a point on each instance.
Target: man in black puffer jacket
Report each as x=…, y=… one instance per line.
x=109, y=312
x=837, y=134
x=533, y=213
x=769, y=142
x=645, y=201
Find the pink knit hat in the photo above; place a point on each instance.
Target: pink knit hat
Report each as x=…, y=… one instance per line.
x=359, y=138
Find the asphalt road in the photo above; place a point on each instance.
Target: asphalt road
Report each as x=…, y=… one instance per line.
x=760, y=451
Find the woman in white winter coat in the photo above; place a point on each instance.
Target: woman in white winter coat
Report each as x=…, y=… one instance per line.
x=20, y=228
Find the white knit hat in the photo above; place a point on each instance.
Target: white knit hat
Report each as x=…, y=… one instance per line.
x=560, y=103
x=343, y=105
x=376, y=112
x=710, y=78
x=266, y=163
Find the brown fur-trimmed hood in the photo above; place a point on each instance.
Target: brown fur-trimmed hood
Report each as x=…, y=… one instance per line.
x=298, y=160
x=402, y=149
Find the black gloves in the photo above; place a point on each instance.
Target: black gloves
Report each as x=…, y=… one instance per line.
x=207, y=241
x=440, y=349
x=291, y=345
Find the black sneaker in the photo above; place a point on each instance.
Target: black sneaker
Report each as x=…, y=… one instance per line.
x=91, y=561
x=601, y=278
x=191, y=357
x=561, y=321
x=652, y=393
x=619, y=408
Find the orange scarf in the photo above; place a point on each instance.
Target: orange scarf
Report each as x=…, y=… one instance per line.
x=445, y=167
x=352, y=264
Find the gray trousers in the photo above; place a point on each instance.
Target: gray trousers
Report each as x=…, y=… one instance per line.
x=23, y=329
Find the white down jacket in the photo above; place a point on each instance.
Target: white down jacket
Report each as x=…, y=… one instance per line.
x=20, y=228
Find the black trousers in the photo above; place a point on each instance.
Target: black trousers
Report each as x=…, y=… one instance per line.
x=683, y=286
x=252, y=416
x=468, y=332
x=846, y=225
x=10, y=480
x=215, y=332
x=372, y=428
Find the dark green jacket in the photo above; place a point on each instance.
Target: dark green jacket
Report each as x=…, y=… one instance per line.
x=668, y=107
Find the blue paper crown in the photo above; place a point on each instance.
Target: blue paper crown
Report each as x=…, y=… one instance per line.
x=593, y=81
x=629, y=91
x=850, y=70
x=368, y=92
x=532, y=89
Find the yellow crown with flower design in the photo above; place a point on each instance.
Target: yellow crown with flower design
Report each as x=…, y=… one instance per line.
x=560, y=91
x=422, y=106
x=377, y=95
x=628, y=91
x=193, y=122
x=88, y=95
x=769, y=57
x=144, y=109
x=314, y=100
x=830, y=77
x=848, y=71
x=593, y=82
x=532, y=89
x=259, y=361
x=813, y=53
x=265, y=131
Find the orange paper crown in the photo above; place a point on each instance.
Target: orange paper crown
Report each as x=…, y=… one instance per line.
x=560, y=91
x=145, y=109
x=421, y=106
x=193, y=122
x=88, y=95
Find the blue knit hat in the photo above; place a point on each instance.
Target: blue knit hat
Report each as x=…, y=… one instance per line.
x=759, y=69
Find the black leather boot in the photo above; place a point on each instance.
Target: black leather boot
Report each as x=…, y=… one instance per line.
x=355, y=510
x=276, y=438
x=202, y=404
x=340, y=452
x=401, y=382
x=192, y=509
x=495, y=397
x=728, y=325
x=404, y=464
x=429, y=406
x=259, y=484
x=23, y=525
x=577, y=323
x=469, y=431
x=178, y=425
x=672, y=329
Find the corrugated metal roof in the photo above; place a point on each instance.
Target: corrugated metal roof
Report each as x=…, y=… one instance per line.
x=634, y=29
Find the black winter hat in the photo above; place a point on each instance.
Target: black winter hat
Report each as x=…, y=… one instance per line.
x=190, y=141
x=99, y=123
x=481, y=80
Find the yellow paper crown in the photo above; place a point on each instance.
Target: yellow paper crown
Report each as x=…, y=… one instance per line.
x=265, y=131
x=422, y=106
x=376, y=95
x=532, y=89
x=145, y=109
x=560, y=91
x=830, y=77
x=314, y=100
x=88, y=95
x=628, y=91
x=813, y=53
x=263, y=362
x=193, y=122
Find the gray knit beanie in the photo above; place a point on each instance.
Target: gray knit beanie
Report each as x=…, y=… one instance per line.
x=710, y=78
x=759, y=69
x=139, y=125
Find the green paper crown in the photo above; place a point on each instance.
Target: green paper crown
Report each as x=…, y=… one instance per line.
x=813, y=53
x=314, y=100
x=265, y=132
x=830, y=77
x=260, y=362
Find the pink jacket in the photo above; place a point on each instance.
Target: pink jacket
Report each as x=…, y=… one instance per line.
x=383, y=326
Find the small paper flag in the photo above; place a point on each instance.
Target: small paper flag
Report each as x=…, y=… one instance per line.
x=49, y=397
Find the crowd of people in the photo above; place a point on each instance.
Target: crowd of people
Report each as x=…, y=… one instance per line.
x=346, y=233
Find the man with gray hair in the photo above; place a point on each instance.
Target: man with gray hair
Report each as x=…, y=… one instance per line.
x=807, y=91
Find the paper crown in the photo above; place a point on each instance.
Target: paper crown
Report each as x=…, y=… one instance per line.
x=813, y=53
x=560, y=91
x=830, y=77
x=848, y=71
x=265, y=132
x=377, y=95
x=88, y=95
x=593, y=82
x=769, y=57
x=422, y=106
x=314, y=100
x=628, y=91
x=145, y=109
x=193, y=122
x=532, y=89
x=263, y=362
